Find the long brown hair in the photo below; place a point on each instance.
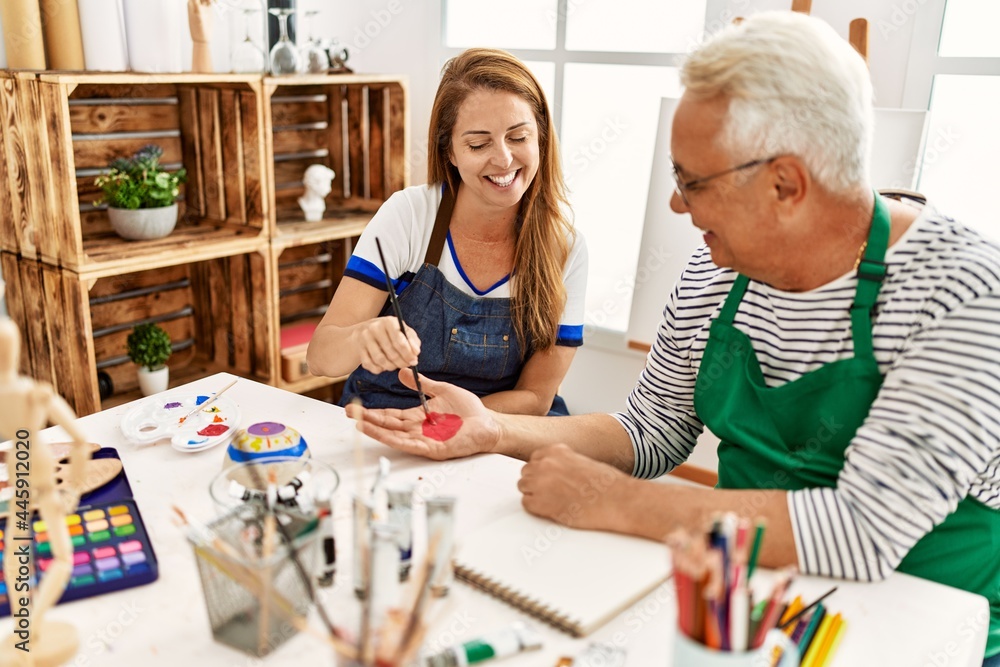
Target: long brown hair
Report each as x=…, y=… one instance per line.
x=538, y=295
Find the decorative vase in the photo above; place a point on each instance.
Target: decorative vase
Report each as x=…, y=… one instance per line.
x=153, y=33
x=142, y=224
x=153, y=382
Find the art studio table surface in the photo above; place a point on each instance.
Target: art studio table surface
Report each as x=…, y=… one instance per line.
x=900, y=621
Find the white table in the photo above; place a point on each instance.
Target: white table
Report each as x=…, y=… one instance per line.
x=901, y=621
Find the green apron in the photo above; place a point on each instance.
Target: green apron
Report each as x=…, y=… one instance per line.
x=793, y=436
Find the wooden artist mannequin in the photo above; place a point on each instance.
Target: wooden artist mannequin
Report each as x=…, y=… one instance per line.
x=26, y=407
x=200, y=22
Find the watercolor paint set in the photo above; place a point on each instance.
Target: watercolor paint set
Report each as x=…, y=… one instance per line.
x=111, y=548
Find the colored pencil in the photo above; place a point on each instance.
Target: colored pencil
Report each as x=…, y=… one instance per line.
x=803, y=623
x=809, y=659
x=758, y=537
x=806, y=639
x=807, y=608
x=834, y=643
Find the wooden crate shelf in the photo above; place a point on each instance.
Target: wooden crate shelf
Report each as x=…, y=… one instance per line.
x=213, y=126
x=333, y=227
x=306, y=278
x=242, y=261
x=356, y=125
x=216, y=311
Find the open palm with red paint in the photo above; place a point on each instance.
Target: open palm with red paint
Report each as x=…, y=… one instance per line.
x=409, y=431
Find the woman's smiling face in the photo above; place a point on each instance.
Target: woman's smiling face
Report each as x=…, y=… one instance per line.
x=494, y=146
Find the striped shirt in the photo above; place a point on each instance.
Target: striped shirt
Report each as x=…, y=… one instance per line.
x=932, y=436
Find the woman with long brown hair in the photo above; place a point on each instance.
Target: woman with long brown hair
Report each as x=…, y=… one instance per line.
x=489, y=272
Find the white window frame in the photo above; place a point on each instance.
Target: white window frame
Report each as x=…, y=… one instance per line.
x=924, y=62
x=560, y=56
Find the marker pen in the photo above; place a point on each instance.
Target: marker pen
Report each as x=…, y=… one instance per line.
x=514, y=639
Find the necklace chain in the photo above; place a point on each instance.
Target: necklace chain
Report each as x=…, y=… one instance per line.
x=861, y=252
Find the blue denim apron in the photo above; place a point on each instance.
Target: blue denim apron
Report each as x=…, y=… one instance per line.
x=464, y=340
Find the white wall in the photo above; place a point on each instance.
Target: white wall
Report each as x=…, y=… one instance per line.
x=404, y=36
x=391, y=37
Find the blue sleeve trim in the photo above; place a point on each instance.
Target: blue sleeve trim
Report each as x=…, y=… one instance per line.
x=361, y=269
x=570, y=335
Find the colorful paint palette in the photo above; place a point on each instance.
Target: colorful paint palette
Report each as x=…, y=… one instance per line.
x=165, y=418
x=111, y=551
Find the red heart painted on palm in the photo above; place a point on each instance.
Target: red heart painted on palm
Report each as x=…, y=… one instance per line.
x=441, y=427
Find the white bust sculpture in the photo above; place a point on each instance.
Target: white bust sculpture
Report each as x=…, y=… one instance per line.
x=317, y=180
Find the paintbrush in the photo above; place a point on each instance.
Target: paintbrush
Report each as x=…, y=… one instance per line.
x=293, y=557
x=199, y=408
x=402, y=326
x=267, y=549
x=413, y=632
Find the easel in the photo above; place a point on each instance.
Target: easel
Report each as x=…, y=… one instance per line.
x=857, y=31
x=26, y=407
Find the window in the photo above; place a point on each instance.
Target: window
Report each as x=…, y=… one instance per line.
x=604, y=64
x=954, y=71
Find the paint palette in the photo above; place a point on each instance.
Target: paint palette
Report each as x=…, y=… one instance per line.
x=162, y=418
x=111, y=551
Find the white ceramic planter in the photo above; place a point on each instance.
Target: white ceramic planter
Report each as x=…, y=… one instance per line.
x=153, y=382
x=144, y=223
x=153, y=30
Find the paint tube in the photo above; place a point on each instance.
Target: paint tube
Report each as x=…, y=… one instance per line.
x=384, y=573
x=328, y=543
x=289, y=491
x=441, y=530
x=286, y=495
x=362, y=519
x=400, y=504
x=516, y=638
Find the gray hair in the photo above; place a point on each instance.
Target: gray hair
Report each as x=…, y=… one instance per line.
x=794, y=87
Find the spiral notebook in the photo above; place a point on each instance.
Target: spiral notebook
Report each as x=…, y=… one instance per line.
x=575, y=580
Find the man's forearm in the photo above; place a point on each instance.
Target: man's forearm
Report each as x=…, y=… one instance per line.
x=652, y=510
x=598, y=436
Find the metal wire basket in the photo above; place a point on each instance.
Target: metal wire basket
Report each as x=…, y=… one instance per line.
x=255, y=595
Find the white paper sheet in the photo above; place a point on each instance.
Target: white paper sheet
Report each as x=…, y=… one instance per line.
x=102, y=25
x=153, y=33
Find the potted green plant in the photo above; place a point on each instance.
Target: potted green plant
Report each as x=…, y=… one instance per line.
x=149, y=348
x=141, y=196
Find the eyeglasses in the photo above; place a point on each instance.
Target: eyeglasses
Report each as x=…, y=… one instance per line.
x=682, y=187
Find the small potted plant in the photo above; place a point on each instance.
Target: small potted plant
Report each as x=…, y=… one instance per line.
x=149, y=348
x=141, y=196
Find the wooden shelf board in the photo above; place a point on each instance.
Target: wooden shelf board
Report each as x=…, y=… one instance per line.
x=291, y=234
x=140, y=78
x=178, y=376
x=108, y=254
x=330, y=79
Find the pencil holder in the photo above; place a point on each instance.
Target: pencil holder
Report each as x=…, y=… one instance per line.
x=691, y=653
x=255, y=592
